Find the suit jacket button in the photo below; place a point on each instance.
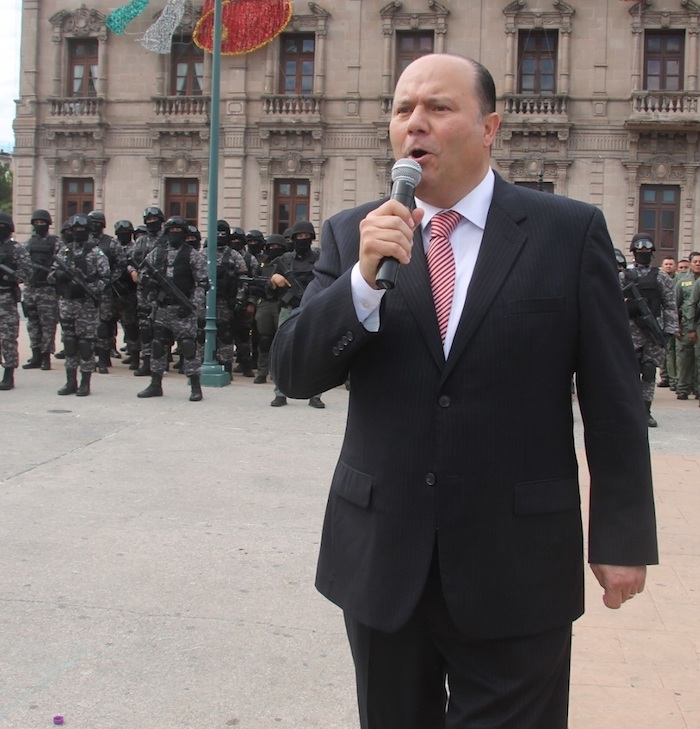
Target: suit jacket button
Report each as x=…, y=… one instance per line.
x=444, y=401
x=336, y=351
x=430, y=479
x=344, y=340
x=350, y=336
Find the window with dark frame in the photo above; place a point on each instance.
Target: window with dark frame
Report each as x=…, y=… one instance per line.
x=82, y=67
x=78, y=196
x=412, y=44
x=182, y=198
x=292, y=203
x=297, y=57
x=663, y=60
x=537, y=62
x=186, y=67
x=659, y=215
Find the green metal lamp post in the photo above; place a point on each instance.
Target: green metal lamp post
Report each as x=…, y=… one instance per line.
x=213, y=374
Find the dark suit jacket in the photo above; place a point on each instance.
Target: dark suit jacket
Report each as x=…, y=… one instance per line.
x=478, y=449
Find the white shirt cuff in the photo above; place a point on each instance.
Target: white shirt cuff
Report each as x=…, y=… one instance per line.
x=366, y=300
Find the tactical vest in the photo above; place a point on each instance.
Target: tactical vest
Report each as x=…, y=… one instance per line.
x=7, y=258
x=182, y=270
x=41, y=252
x=648, y=286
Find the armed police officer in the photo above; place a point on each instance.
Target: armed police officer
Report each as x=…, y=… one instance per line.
x=39, y=300
x=267, y=305
x=230, y=293
x=245, y=315
x=106, y=336
x=652, y=312
x=81, y=273
x=174, y=276
x=15, y=267
x=124, y=294
x=293, y=273
x=153, y=220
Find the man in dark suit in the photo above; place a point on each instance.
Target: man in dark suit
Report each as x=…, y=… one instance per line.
x=452, y=557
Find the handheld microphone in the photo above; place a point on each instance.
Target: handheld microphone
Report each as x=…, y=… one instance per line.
x=405, y=176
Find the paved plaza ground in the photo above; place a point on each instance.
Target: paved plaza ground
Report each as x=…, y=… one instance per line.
x=158, y=560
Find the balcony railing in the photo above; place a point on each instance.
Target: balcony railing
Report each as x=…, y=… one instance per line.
x=298, y=106
x=182, y=106
x=668, y=103
x=524, y=105
x=77, y=107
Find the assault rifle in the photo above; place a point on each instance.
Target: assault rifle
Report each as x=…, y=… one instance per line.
x=645, y=319
x=262, y=282
x=291, y=295
x=9, y=273
x=166, y=288
x=77, y=277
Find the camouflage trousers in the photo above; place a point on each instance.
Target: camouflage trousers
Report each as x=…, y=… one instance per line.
x=107, y=323
x=79, y=319
x=653, y=354
x=170, y=327
x=40, y=306
x=125, y=311
x=9, y=329
x=225, y=330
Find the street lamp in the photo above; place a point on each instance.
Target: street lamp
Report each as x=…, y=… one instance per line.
x=213, y=374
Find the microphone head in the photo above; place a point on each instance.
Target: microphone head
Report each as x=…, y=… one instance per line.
x=407, y=169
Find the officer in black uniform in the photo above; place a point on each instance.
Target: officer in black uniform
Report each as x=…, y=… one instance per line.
x=245, y=315
x=124, y=293
x=293, y=273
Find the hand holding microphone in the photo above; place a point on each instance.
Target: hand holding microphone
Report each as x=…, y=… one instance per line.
x=405, y=176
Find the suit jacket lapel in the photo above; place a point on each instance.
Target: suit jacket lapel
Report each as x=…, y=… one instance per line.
x=414, y=285
x=500, y=247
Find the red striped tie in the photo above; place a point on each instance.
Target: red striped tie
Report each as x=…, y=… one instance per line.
x=441, y=264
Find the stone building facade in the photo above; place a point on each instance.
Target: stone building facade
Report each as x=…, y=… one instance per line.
x=599, y=100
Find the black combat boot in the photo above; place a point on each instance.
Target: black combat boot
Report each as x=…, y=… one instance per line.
x=60, y=355
x=102, y=362
x=196, y=387
x=133, y=359
x=71, y=386
x=228, y=367
x=46, y=360
x=8, y=380
x=84, y=386
x=650, y=418
x=155, y=389
x=34, y=362
x=145, y=369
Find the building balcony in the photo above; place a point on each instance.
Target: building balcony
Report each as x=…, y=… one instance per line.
x=296, y=106
x=669, y=110
x=88, y=109
x=525, y=107
x=182, y=107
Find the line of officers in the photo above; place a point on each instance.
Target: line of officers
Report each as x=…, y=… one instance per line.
x=152, y=280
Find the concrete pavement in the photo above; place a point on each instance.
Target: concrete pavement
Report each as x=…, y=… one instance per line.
x=158, y=559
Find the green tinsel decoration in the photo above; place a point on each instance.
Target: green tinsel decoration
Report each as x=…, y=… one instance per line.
x=118, y=19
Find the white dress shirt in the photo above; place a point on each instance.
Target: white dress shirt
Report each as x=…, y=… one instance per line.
x=466, y=242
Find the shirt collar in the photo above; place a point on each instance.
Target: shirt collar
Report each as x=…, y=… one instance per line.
x=474, y=206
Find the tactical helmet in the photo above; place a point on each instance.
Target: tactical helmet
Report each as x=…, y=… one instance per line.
x=97, y=217
x=6, y=220
x=620, y=257
x=303, y=226
x=65, y=227
x=123, y=226
x=140, y=230
x=153, y=212
x=237, y=234
x=222, y=226
x=41, y=215
x=275, y=239
x=175, y=222
x=193, y=231
x=255, y=235
x=78, y=221
x=642, y=241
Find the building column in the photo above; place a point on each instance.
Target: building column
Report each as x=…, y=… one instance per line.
x=564, y=61
x=320, y=71
x=693, y=59
x=509, y=79
x=388, y=33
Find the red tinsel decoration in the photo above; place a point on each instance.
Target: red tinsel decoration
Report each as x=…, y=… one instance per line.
x=246, y=24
